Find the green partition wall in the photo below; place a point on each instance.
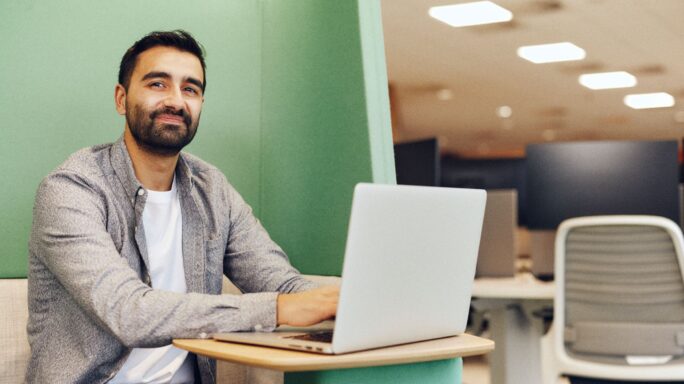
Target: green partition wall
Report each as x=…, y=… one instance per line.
x=296, y=107
x=325, y=114
x=59, y=65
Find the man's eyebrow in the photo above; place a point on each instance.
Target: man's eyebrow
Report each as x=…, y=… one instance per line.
x=154, y=75
x=196, y=82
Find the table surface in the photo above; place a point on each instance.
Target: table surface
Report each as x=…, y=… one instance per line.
x=521, y=286
x=293, y=361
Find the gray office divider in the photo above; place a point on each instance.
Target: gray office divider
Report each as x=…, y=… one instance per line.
x=296, y=108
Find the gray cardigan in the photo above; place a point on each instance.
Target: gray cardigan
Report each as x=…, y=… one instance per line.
x=89, y=293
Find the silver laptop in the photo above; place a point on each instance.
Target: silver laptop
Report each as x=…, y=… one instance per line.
x=408, y=271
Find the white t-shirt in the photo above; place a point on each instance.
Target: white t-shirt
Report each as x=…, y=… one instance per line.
x=163, y=234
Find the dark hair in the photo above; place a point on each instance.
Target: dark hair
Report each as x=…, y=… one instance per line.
x=179, y=39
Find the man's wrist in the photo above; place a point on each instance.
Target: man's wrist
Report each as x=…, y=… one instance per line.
x=281, y=309
x=259, y=310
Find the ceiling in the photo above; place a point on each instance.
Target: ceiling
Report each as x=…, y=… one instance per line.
x=448, y=82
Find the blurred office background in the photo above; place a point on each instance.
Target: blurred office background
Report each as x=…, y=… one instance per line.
x=549, y=140
x=466, y=106
x=467, y=111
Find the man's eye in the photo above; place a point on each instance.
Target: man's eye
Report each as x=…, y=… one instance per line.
x=156, y=84
x=191, y=90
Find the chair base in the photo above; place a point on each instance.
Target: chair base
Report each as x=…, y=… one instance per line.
x=587, y=380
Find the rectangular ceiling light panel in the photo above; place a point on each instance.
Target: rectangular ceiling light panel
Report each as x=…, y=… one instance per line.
x=551, y=53
x=608, y=80
x=649, y=100
x=467, y=14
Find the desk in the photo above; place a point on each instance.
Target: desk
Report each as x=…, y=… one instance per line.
x=434, y=361
x=517, y=333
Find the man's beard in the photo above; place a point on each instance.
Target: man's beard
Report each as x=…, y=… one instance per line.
x=161, y=139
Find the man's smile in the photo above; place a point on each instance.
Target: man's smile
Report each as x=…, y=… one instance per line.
x=168, y=118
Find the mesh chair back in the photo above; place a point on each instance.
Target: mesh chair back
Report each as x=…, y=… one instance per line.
x=624, y=294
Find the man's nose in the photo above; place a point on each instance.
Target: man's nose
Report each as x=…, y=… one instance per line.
x=174, y=99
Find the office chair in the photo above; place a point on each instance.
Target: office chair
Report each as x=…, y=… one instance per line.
x=619, y=302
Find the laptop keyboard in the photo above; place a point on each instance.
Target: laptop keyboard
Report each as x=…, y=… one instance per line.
x=321, y=336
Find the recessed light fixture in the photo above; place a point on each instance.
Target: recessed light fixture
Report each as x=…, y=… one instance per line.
x=467, y=14
x=504, y=112
x=608, y=80
x=445, y=94
x=649, y=100
x=679, y=117
x=551, y=53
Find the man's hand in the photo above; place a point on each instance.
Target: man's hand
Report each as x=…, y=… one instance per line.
x=308, y=307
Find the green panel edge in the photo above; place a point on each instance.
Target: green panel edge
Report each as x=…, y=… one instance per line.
x=377, y=93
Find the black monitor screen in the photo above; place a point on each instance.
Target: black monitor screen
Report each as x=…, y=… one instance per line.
x=488, y=174
x=417, y=163
x=567, y=180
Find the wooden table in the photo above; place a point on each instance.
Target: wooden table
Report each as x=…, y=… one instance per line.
x=434, y=361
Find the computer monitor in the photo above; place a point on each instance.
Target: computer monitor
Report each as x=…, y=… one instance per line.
x=417, y=163
x=489, y=174
x=574, y=179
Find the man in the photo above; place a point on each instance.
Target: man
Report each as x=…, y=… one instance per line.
x=130, y=242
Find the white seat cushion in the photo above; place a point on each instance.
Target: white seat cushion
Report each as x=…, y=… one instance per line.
x=14, y=347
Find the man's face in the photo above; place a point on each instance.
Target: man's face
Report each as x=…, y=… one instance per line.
x=164, y=100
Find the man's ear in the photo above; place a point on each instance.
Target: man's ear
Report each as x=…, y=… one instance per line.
x=120, y=99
